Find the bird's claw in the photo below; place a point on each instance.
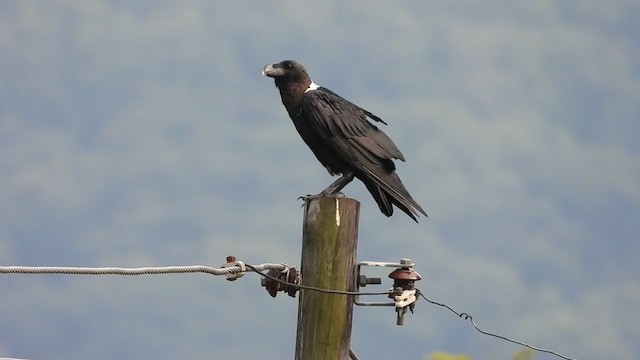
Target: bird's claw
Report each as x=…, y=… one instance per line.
x=305, y=197
x=309, y=196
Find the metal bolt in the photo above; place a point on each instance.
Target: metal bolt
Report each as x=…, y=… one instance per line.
x=363, y=281
x=400, y=316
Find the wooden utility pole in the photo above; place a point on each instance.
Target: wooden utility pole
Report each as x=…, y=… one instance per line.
x=329, y=243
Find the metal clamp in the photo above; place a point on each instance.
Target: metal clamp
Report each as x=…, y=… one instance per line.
x=231, y=262
x=405, y=299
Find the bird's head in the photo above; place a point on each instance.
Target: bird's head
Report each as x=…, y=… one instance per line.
x=287, y=71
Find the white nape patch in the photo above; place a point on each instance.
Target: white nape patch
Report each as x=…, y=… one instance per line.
x=337, y=212
x=312, y=86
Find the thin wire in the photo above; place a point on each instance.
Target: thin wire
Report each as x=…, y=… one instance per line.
x=466, y=316
x=313, y=288
x=155, y=270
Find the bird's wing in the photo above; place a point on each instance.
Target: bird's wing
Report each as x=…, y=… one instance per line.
x=368, y=114
x=344, y=127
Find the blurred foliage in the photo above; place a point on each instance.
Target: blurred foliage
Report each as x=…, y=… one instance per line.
x=523, y=354
x=445, y=356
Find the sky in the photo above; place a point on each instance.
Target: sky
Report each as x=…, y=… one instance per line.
x=140, y=133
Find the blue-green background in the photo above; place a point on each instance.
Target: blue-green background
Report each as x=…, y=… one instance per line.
x=140, y=133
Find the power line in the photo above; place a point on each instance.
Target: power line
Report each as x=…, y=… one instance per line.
x=179, y=269
x=466, y=316
x=238, y=268
x=154, y=270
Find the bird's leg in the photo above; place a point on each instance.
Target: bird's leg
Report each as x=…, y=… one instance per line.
x=334, y=188
x=337, y=185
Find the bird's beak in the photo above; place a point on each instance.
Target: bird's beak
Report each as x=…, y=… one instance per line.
x=271, y=71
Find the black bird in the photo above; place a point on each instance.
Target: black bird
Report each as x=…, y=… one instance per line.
x=341, y=137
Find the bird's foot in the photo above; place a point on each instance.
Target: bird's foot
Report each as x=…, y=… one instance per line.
x=322, y=194
x=305, y=197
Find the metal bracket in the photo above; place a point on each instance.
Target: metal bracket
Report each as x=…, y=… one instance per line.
x=362, y=280
x=404, y=294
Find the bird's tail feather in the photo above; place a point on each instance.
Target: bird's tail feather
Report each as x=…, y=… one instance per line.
x=388, y=190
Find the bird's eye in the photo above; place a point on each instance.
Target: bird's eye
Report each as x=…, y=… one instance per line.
x=289, y=65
